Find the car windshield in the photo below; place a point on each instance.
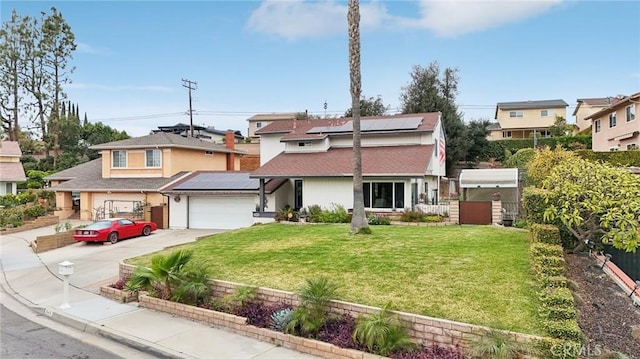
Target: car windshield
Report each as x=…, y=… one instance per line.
x=99, y=225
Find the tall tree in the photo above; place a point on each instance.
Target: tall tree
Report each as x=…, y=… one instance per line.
x=432, y=90
x=57, y=46
x=358, y=219
x=477, y=131
x=369, y=107
x=13, y=40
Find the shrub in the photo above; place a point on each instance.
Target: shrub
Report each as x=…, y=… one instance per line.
x=556, y=348
x=311, y=315
x=553, y=281
x=559, y=312
x=373, y=219
x=545, y=233
x=28, y=196
x=533, y=203
x=544, y=249
x=382, y=333
x=433, y=218
x=9, y=200
x=565, y=330
x=496, y=344
x=557, y=297
x=257, y=314
x=241, y=296
x=335, y=214
x=339, y=331
x=35, y=211
x=549, y=261
x=412, y=216
x=11, y=217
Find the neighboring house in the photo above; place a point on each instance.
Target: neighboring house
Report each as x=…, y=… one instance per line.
x=204, y=133
x=616, y=127
x=215, y=199
x=587, y=106
x=131, y=173
x=263, y=119
x=523, y=119
x=11, y=170
x=402, y=159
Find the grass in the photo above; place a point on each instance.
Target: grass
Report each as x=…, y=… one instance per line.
x=473, y=274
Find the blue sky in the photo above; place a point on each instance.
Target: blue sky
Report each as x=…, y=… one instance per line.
x=251, y=57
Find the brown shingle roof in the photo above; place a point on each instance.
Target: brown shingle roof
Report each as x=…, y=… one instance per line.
x=273, y=116
x=88, y=177
x=596, y=101
x=10, y=148
x=622, y=102
x=12, y=172
x=405, y=161
x=164, y=140
x=297, y=130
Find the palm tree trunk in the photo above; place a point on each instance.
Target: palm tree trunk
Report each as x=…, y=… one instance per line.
x=358, y=219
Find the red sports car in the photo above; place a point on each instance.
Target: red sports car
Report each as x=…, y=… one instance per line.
x=113, y=229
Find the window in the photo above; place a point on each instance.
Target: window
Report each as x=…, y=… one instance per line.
x=515, y=114
x=119, y=159
x=297, y=184
x=612, y=120
x=305, y=143
x=208, y=153
x=8, y=188
x=153, y=158
x=631, y=113
x=596, y=126
x=125, y=222
x=545, y=133
x=383, y=194
x=613, y=149
x=506, y=134
x=258, y=124
x=632, y=146
x=547, y=113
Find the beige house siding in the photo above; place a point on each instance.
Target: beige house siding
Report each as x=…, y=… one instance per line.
x=190, y=160
x=584, y=110
x=531, y=118
x=619, y=137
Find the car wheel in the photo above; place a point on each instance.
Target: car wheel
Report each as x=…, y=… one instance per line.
x=113, y=237
x=146, y=231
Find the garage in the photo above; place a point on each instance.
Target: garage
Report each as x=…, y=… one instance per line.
x=220, y=212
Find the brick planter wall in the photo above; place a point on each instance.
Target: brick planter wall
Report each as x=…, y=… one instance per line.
x=52, y=241
x=39, y=222
x=422, y=329
x=118, y=295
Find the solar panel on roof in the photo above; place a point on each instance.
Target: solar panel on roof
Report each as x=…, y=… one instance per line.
x=379, y=124
x=220, y=181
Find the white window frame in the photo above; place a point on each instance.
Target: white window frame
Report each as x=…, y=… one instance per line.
x=614, y=149
x=630, y=113
x=596, y=126
x=613, y=120
x=119, y=153
x=545, y=134
x=516, y=114
x=153, y=158
x=632, y=146
x=258, y=124
x=547, y=113
x=507, y=134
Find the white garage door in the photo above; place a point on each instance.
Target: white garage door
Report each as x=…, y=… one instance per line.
x=221, y=212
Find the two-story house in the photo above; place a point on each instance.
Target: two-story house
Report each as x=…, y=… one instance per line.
x=11, y=170
x=524, y=119
x=261, y=120
x=208, y=133
x=131, y=173
x=616, y=127
x=585, y=107
x=403, y=157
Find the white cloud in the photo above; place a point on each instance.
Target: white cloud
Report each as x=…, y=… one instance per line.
x=296, y=19
x=452, y=18
x=148, y=88
x=88, y=49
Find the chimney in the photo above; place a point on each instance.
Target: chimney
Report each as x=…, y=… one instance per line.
x=229, y=142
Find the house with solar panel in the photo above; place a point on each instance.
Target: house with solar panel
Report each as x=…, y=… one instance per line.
x=403, y=158
x=524, y=119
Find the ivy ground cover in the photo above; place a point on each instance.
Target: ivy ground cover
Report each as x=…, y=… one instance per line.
x=473, y=274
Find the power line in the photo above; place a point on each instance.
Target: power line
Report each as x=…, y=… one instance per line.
x=192, y=86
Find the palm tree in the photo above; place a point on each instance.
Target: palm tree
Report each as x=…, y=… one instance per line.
x=164, y=274
x=358, y=219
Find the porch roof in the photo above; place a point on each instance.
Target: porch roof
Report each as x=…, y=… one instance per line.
x=387, y=161
x=489, y=178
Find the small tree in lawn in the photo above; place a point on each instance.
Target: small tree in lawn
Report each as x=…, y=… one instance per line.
x=595, y=201
x=546, y=160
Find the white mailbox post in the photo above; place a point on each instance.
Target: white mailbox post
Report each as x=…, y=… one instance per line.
x=65, y=269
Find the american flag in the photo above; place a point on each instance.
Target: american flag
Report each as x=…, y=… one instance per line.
x=442, y=156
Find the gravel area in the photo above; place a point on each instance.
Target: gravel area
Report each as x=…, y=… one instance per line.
x=607, y=315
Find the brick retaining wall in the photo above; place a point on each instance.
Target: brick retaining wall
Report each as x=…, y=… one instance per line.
x=39, y=222
x=422, y=329
x=52, y=241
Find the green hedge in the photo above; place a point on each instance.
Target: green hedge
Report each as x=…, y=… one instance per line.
x=560, y=313
x=565, y=329
x=533, y=203
x=557, y=281
x=558, y=349
x=616, y=158
x=557, y=297
x=545, y=233
x=496, y=149
x=545, y=249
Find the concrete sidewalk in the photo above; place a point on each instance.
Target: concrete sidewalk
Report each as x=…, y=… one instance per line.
x=33, y=280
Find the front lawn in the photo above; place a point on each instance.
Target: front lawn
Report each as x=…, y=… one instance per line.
x=472, y=274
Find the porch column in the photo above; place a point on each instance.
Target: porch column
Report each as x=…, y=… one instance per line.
x=454, y=211
x=496, y=211
x=262, y=195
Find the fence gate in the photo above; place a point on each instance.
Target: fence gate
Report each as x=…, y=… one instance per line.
x=475, y=212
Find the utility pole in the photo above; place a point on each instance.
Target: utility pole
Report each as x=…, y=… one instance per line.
x=191, y=85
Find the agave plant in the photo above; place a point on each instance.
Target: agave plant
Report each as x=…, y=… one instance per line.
x=281, y=318
x=382, y=333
